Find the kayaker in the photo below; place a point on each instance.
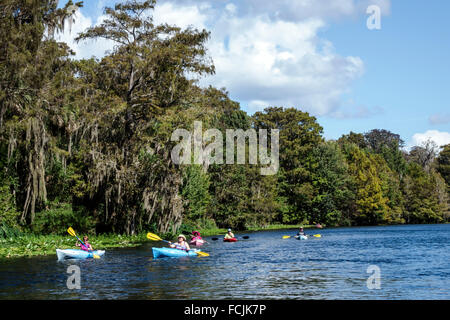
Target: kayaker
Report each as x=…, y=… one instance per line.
x=181, y=244
x=229, y=234
x=301, y=232
x=196, y=239
x=86, y=246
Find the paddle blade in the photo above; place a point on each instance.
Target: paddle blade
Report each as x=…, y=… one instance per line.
x=214, y=239
x=153, y=237
x=71, y=232
x=317, y=236
x=245, y=237
x=96, y=256
x=202, y=254
x=286, y=237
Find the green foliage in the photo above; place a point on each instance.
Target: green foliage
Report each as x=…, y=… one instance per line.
x=58, y=217
x=370, y=205
x=443, y=164
x=331, y=181
x=422, y=201
x=9, y=216
x=196, y=192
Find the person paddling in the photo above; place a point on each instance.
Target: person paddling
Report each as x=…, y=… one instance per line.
x=301, y=232
x=196, y=239
x=181, y=244
x=86, y=246
x=229, y=234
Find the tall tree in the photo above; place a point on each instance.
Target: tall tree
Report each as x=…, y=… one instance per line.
x=331, y=203
x=30, y=61
x=299, y=135
x=148, y=71
x=370, y=205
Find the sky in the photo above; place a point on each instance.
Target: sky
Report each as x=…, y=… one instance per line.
x=319, y=56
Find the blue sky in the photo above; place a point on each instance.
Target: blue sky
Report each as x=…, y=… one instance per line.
x=407, y=68
x=320, y=57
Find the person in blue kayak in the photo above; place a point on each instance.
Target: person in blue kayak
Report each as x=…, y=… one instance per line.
x=181, y=244
x=229, y=234
x=86, y=246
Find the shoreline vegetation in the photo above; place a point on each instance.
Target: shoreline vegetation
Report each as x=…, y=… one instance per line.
x=89, y=144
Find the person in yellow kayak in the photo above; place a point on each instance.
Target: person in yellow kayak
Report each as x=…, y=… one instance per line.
x=86, y=246
x=181, y=244
x=229, y=234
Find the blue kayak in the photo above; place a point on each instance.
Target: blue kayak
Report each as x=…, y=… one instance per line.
x=77, y=254
x=171, y=252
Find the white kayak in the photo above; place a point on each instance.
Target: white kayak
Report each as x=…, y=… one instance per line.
x=77, y=254
x=301, y=237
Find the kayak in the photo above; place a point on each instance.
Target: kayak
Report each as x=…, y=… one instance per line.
x=197, y=242
x=77, y=254
x=301, y=237
x=171, y=252
x=230, y=240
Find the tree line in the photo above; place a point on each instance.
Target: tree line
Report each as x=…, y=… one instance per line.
x=87, y=143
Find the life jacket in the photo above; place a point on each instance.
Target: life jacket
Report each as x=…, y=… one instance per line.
x=179, y=247
x=85, y=246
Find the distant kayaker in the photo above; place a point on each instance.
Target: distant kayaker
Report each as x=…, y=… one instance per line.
x=181, y=244
x=86, y=246
x=229, y=234
x=301, y=232
x=196, y=239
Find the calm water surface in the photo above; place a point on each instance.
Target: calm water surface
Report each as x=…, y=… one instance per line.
x=414, y=263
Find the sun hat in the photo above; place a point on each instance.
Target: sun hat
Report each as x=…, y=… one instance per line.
x=229, y=230
x=182, y=236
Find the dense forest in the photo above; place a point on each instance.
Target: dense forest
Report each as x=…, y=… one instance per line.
x=87, y=143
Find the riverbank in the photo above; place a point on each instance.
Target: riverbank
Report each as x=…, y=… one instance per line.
x=39, y=245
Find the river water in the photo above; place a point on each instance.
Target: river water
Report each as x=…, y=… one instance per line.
x=413, y=263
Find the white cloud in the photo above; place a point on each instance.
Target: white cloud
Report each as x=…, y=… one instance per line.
x=261, y=58
x=280, y=63
x=183, y=17
x=439, y=137
x=87, y=48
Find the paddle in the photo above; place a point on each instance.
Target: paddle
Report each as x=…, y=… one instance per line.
x=314, y=235
x=73, y=234
x=154, y=237
x=244, y=237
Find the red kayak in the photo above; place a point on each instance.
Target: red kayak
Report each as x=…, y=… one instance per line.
x=230, y=240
